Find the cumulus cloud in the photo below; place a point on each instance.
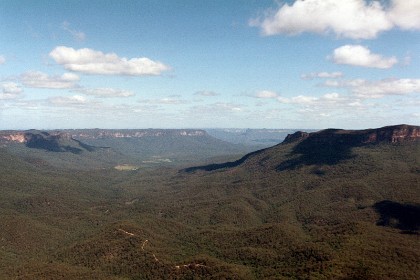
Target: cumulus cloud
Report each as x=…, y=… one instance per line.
x=358, y=55
x=10, y=90
x=322, y=75
x=105, y=92
x=206, y=93
x=266, y=94
x=2, y=59
x=405, y=14
x=36, y=79
x=356, y=19
x=377, y=89
x=77, y=35
x=90, y=61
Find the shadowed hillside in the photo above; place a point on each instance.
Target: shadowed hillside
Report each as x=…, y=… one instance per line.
x=326, y=147
x=58, y=142
x=401, y=216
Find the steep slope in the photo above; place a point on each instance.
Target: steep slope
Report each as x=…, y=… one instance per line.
x=49, y=141
x=323, y=147
x=58, y=142
x=350, y=199
x=55, y=149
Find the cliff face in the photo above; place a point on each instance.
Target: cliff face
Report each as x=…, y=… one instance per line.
x=32, y=136
x=133, y=133
x=53, y=141
x=74, y=140
x=18, y=137
x=297, y=136
x=392, y=134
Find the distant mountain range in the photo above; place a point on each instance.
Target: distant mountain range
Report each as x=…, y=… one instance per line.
x=249, y=137
x=163, y=146
x=116, y=146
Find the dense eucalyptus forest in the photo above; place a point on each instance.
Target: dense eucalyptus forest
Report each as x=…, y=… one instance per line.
x=333, y=204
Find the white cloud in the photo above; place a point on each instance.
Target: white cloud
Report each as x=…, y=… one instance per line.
x=300, y=99
x=77, y=35
x=36, y=79
x=206, y=93
x=105, y=92
x=218, y=110
x=266, y=94
x=2, y=59
x=96, y=62
x=227, y=106
x=75, y=100
x=331, y=99
x=344, y=83
x=346, y=18
x=377, y=89
x=358, y=55
x=10, y=90
x=331, y=105
x=164, y=101
x=405, y=13
x=322, y=75
x=356, y=19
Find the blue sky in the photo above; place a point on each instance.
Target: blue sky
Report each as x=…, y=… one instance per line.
x=204, y=64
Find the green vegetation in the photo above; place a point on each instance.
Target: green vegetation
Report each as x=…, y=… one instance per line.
x=277, y=214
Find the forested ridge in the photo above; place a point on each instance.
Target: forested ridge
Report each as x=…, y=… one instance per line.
x=286, y=212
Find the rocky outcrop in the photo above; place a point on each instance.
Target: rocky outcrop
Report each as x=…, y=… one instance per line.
x=53, y=141
x=391, y=134
x=297, y=136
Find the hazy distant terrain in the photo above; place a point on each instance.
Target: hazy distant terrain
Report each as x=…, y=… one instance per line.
x=333, y=204
x=97, y=148
x=254, y=137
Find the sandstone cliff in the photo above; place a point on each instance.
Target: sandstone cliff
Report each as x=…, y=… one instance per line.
x=392, y=134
